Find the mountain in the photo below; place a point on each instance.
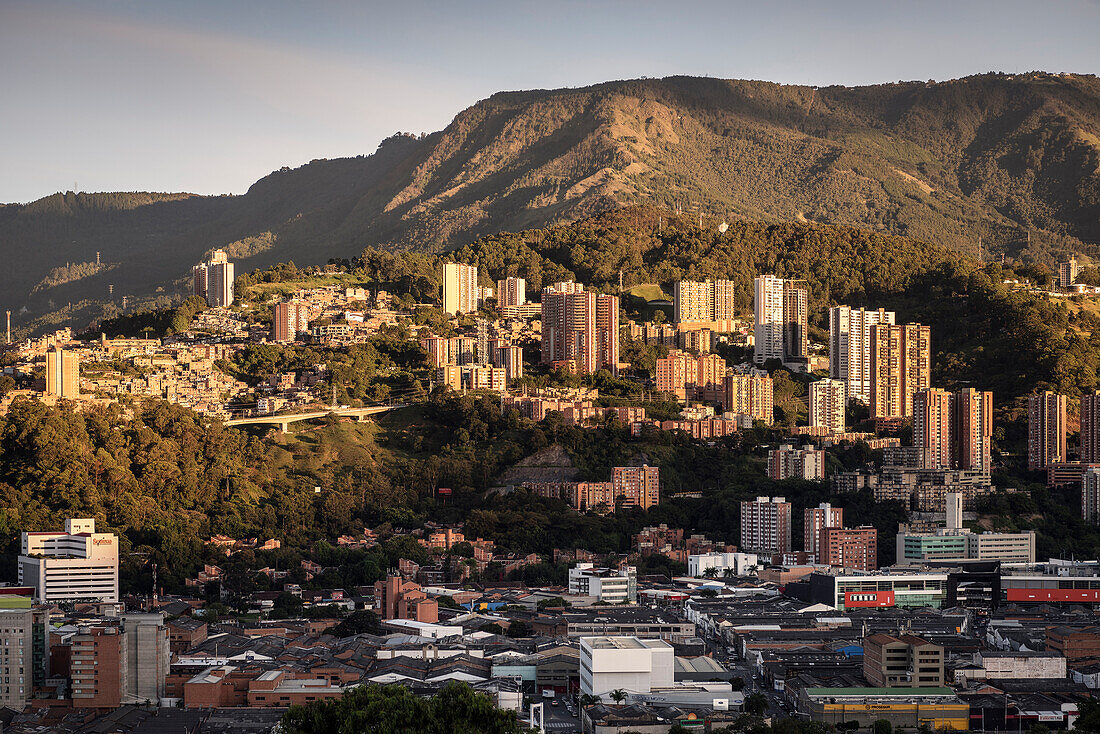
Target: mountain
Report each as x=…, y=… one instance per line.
x=1012, y=160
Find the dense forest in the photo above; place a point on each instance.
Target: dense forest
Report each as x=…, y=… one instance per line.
x=1009, y=161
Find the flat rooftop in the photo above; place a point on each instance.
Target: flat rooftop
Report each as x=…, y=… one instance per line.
x=623, y=643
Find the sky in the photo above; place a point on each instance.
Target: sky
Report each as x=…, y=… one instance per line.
x=207, y=96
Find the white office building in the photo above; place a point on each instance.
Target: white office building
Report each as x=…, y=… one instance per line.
x=607, y=585
x=76, y=564
x=628, y=663
x=742, y=564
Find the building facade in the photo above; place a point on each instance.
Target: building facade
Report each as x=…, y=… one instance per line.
x=827, y=405
x=459, y=288
x=816, y=519
x=706, y=301
x=1046, y=430
x=855, y=548
x=850, y=348
x=789, y=462
x=62, y=373
x=213, y=280
x=77, y=564
x=1090, y=427
x=901, y=364
x=289, y=319
x=636, y=486
x=766, y=525
x=780, y=309
x=751, y=395
x=511, y=292
x=581, y=327
x=607, y=585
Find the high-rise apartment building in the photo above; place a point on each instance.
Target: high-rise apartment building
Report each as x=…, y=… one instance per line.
x=973, y=427
x=1090, y=427
x=816, y=519
x=510, y=357
x=77, y=564
x=766, y=525
x=213, y=279
x=24, y=660
x=850, y=347
x=511, y=292
x=1067, y=273
x=459, y=288
x=827, y=404
x=1090, y=495
x=695, y=301
x=636, y=486
x=62, y=373
x=901, y=364
x=289, y=319
x=1046, y=430
x=580, y=326
x=789, y=462
x=855, y=548
x=780, y=309
x=676, y=374
x=752, y=395
x=932, y=427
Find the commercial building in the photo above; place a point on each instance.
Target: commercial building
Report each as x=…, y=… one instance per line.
x=77, y=564
x=960, y=544
x=630, y=664
x=1090, y=427
x=901, y=364
x=62, y=373
x=636, y=486
x=850, y=348
x=924, y=490
x=905, y=708
x=213, y=280
x=878, y=589
x=804, y=462
x=741, y=564
x=855, y=548
x=609, y=586
x=905, y=661
x=290, y=318
x=706, y=301
x=816, y=519
x=752, y=395
x=827, y=405
x=511, y=292
x=766, y=525
x=780, y=309
x=459, y=288
x=581, y=327
x=1046, y=430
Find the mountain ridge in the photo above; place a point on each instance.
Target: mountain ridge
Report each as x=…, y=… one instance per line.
x=1012, y=160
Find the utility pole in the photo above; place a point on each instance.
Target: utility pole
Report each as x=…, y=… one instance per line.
x=97, y=257
x=8, y=313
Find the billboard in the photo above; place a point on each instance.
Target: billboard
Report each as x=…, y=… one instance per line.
x=854, y=599
x=1054, y=595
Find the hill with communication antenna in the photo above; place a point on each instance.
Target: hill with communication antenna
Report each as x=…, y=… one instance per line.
x=985, y=165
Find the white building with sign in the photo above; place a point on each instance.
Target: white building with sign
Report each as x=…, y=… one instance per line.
x=77, y=564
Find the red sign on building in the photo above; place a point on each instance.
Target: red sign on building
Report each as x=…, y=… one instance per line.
x=868, y=599
x=1054, y=595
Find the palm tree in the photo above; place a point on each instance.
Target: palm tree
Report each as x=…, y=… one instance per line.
x=710, y=573
x=728, y=574
x=756, y=703
x=752, y=570
x=618, y=696
x=587, y=699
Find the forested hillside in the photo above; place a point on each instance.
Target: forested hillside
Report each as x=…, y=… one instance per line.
x=1012, y=161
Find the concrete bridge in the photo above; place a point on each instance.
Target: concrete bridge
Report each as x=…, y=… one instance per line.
x=284, y=421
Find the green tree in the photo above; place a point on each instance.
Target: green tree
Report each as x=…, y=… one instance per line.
x=618, y=696
x=756, y=703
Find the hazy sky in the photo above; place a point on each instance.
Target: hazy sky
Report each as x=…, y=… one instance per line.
x=208, y=96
